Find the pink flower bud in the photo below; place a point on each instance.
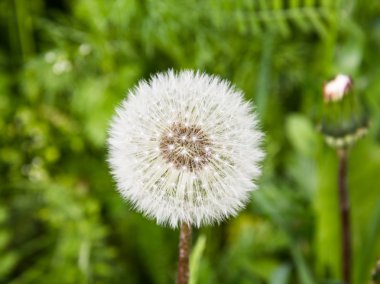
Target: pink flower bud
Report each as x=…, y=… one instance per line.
x=335, y=89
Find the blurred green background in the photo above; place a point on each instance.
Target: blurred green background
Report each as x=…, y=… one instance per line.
x=66, y=64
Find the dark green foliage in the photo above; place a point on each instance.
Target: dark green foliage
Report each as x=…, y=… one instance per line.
x=67, y=64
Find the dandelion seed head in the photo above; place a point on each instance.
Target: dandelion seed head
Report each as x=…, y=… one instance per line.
x=185, y=147
x=189, y=149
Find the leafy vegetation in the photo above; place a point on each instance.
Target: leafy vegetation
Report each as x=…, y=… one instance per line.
x=67, y=64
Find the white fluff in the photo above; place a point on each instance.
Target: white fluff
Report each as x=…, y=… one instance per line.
x=173, y=195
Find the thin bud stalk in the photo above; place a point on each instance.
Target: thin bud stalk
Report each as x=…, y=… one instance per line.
x=345, y=216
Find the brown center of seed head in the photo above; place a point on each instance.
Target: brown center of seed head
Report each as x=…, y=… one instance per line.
x=186, y=147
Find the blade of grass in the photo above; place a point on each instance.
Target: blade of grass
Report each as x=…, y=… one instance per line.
x=368, y=254
x=195, y=258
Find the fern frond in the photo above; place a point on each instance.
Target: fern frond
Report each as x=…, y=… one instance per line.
x=254, y=17
x=286, y=17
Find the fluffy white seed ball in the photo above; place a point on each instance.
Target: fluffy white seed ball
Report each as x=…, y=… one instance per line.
x=185, y=148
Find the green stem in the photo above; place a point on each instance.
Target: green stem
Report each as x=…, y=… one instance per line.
x=345, y=216
x=24, y=30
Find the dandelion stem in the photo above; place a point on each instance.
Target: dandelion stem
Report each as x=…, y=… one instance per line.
x=345, y=216
x=184, y=251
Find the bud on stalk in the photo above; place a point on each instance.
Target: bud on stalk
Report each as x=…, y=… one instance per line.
x=345, y=118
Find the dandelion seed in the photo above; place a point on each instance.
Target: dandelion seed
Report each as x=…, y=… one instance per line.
x=202, y=117
x=171, y=147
